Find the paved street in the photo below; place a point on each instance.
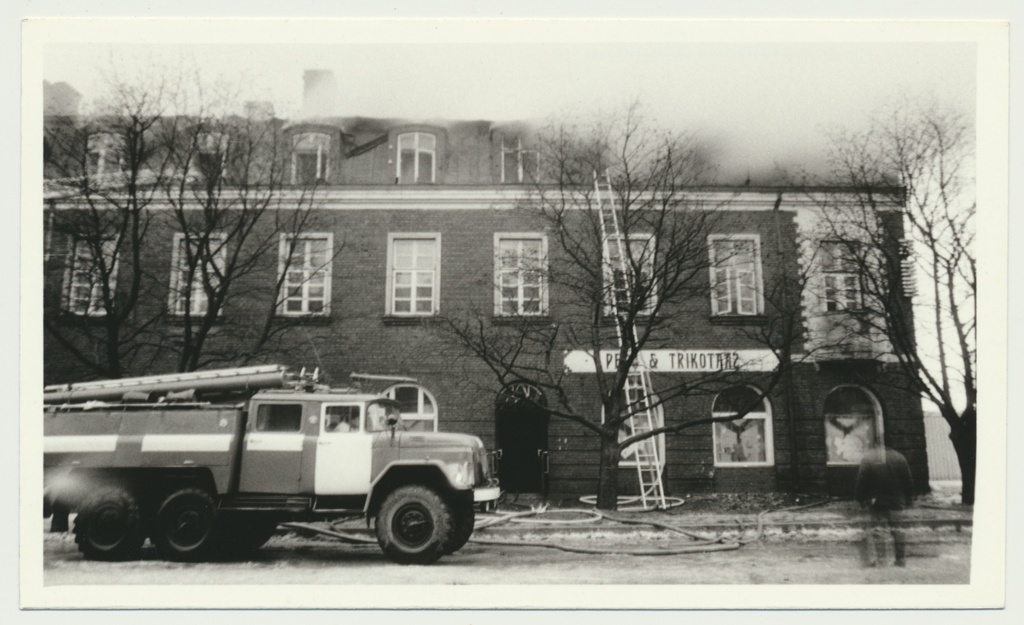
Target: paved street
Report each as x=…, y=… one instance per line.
x=934, y=558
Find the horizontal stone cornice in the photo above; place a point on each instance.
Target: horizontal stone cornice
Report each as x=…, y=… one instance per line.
x=491, y=197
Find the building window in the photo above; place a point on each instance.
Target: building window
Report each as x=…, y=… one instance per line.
x=416, y=158
x=306, y=266
x=842, y=276
x=520, y=284
x=197, y=267
x=637, y=402
x=518, y=165
x=620, y=283
x=279, y=418
x=414, y=265
x=736, y=275
x=417, y=405
x=852, y=424
x=311, y=158
x=84, y=277
x=746, y=441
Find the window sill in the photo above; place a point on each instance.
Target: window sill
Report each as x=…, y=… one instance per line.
x=738, y=320
x=843, y=311
x=643, y=314
x=745, y=465
x=179, y=320
x=90, y=318
x=511, y=320
x=847, y=364
x=312, y=320
x=406, y=320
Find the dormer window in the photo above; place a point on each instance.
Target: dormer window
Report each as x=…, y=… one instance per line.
x=211, y=155
x=311, y=158
x=517, y=165
x=103, y=155
x=416, y=163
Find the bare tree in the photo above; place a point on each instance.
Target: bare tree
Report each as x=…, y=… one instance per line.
x=165, y=155
x=918, y=157
x=103, y=173
x=237, y=221
x=664, y=234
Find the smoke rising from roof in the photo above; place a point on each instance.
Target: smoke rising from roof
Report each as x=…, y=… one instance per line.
x=760, y=108
x=319, y=93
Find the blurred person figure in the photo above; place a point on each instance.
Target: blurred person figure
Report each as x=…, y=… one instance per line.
x=885, y=489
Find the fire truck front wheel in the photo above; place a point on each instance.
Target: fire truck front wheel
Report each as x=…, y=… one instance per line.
x=414, y=525
x=185, y=528
x=463, y=520
x=108, y=526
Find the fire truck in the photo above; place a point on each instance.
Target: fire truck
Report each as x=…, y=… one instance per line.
x=207, y=464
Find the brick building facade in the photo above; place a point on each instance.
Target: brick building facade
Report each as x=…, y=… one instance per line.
x=411, y=219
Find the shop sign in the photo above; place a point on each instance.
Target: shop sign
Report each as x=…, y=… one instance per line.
x=678, y=360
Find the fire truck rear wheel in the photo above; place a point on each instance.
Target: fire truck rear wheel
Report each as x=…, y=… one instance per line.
x=463, y=520
x=185, y=528
x=108, y=526
x=413, y=525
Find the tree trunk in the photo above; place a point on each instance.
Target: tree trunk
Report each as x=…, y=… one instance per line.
x=964, y=437
x=113, y=346
x=608, y=473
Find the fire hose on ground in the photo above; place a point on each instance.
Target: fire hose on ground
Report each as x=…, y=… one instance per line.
x=702, y=543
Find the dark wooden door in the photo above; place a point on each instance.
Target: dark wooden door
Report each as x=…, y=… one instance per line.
x=521, y=424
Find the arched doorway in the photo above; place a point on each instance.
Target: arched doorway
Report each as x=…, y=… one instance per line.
x=521, y=432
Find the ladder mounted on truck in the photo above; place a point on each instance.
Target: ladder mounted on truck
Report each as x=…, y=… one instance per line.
x=638, y=386
x=212, y=382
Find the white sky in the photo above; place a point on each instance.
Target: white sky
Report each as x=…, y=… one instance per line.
x=762, y=104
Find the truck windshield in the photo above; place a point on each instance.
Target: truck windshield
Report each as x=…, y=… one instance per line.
x=379, y=413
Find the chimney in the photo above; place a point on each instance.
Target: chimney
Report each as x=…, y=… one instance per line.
x=319, y=94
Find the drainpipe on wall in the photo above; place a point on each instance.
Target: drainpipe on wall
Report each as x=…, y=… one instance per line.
x=788, y=338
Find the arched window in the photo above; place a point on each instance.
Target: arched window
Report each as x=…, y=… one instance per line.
x=746, y=441
x=417, y=405
x=852, y=424
x=637, y=400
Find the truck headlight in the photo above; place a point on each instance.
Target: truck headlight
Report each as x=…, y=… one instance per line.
x=460, y=473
